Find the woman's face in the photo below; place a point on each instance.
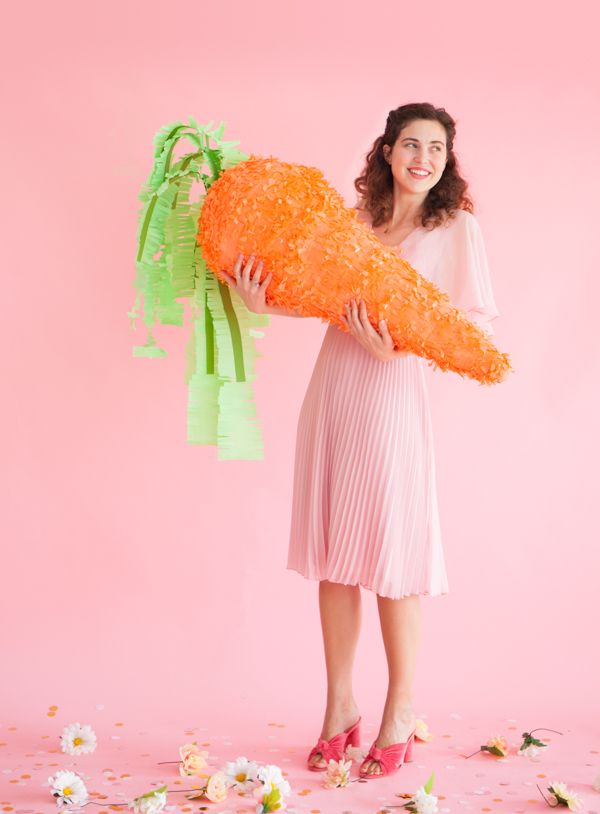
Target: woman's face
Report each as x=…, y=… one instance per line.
x=419, y=156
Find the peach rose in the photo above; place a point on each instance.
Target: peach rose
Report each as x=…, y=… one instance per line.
x=216, y=788
x=498, y=742
x=193, y=760
x=422, y=733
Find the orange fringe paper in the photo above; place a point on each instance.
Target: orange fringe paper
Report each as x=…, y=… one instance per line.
x=321, y=256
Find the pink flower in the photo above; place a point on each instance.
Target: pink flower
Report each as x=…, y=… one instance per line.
x=216, y=788
x=337, y=775
x=422, y=733
x=193, y=760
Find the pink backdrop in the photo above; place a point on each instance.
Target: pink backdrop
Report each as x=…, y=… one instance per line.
x=140, y=572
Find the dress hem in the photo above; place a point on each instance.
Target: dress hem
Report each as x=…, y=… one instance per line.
x=365, y=586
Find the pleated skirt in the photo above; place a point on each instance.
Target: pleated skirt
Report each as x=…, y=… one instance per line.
x=364, y=506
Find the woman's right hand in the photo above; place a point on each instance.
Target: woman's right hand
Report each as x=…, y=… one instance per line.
x=246, y=284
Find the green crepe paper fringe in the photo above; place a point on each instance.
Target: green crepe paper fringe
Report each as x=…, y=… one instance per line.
x=220, y=352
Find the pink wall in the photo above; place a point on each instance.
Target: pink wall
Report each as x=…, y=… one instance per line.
x=135, y=566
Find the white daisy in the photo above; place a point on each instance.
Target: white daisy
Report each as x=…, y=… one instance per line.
x=77, y=739
x=149, y=803
x=272, y=778
x=68, y=789
x=241, y=774
x=532, y=750
x=424, y=803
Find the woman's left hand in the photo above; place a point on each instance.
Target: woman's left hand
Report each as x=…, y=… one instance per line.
x=379, y=343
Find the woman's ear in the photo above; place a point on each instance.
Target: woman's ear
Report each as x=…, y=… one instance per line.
x=386, y=152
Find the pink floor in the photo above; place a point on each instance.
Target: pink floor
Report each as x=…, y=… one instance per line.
x=125, y=763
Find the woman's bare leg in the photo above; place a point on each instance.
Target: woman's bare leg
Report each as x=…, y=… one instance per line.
x=401, y=629
x=341, y=617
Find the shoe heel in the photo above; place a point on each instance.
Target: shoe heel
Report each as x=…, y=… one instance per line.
x=408, y=755
x=353, y=738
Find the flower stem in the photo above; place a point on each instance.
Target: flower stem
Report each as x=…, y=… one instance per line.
x=543, y=729
x=466, y=757
x=542, y=793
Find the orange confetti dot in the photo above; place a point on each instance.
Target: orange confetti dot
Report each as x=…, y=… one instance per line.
x=541, y=775
x=8, y=808
x=497, y=800
x=127, y=775
x=12, y=728
x=145, y=755
x=111, y=778
x=446, y=736
x=281, y=726
x=45, y=736
x=206, y=744
x=53, y=708
x=533, y=801
x=25, y=776
x=3, y=744
x=307, y=791
x=285, y=774
x=51, y=714
x=177, y=782
x=315, y=811
x=486, y=809
x=186, y=809
x=271, y=724
x=291, y=751
x=38, y=764
x=512, y=727
x=592, y=752
x=439, y=797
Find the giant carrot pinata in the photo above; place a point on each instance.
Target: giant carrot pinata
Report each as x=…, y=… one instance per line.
x=320, y=256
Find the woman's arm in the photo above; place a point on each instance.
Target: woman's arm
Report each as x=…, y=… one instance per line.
x=249, y=288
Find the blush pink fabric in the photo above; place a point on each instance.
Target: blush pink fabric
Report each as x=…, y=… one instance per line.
x=364, y=506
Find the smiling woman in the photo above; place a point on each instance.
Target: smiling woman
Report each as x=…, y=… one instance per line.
x=426, y=162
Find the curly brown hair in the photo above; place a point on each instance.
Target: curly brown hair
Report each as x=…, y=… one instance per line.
x=376, y=184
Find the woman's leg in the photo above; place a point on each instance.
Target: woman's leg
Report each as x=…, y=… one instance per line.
x=341, y=617
x=401, y=629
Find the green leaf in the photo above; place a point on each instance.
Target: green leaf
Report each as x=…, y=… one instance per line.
x=429, y=785
x=152, y=793
x=272, y=801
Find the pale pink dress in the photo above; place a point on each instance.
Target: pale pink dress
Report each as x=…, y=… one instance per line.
x=364, y=506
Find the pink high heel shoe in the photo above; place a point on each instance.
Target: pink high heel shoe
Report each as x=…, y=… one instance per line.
x=390, y=759
x=335, y=748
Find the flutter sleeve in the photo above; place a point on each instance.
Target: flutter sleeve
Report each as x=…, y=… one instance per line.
x=463, y=270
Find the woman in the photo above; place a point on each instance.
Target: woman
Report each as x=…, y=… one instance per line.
x=364, y=509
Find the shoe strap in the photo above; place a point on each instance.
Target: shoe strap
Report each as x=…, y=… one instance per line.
x=331, y=750
x=388, y=758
